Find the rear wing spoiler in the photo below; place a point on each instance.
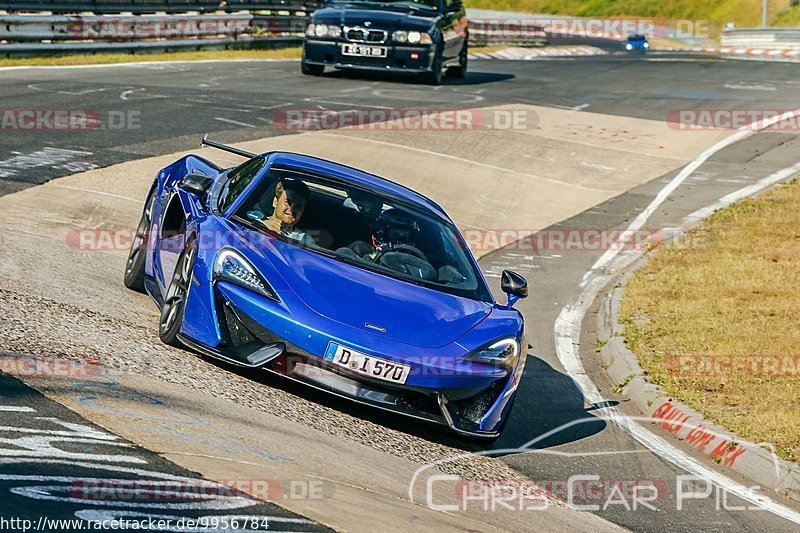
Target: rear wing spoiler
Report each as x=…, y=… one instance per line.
x=214, y=144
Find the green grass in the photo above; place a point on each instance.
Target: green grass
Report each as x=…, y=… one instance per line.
x=104, y=59
x=790, y=17
x=742, y=12
x=729, y=290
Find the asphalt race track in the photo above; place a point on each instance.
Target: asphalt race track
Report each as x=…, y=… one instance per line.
x=76, y=470
x=593, y=139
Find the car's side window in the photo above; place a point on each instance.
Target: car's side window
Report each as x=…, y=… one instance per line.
x=239, y=179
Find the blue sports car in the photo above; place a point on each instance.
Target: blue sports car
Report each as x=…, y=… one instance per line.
x=332, y=277
x=637, y=42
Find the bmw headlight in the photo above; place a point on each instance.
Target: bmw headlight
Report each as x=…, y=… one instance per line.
x=232, y=267
x=412, y=37
x=501, y=353
x=323, y=30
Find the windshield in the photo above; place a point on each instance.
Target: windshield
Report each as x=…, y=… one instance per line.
x=422, y=4
x=363, y=228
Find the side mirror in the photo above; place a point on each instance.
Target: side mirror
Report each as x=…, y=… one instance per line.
x=514, y=285
x=197, y=184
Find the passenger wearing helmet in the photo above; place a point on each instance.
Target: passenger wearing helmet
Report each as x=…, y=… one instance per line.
x=364, y=209
x=394, y=246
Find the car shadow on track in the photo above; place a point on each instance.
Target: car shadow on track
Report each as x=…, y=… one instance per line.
x=547, y=401
x=472, y=78
x=546, y=412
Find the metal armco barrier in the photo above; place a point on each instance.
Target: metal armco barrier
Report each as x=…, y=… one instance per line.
x=47, y=34
x=102, y=7
x=763, y=38
x=32, y=34
x=37, y=49
x=520, y=32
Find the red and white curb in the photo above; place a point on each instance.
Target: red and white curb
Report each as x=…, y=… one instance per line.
x=529, y=54
x=744, y=53
x=757, y=462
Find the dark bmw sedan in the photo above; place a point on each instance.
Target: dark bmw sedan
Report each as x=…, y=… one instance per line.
x=424, y=37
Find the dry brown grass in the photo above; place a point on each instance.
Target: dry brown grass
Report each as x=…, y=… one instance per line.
x=732, y=289
x=102, y=59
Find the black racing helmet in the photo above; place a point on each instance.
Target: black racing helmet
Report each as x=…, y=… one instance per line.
x=396, y=227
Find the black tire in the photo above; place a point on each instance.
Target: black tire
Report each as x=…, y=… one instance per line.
x=134, y=268
x=460, y=71
x=312, y=70
x=434, y=77
x=169, y=324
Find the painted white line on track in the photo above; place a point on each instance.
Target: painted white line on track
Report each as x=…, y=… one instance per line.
x=741, y=194
x=687, y=171
x=320, y=100
x=92, y=191
x=16, y=409
x=234, y=122
x=567, y=331
x=456, y=158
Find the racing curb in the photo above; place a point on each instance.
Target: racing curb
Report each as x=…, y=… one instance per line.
x=757, y=463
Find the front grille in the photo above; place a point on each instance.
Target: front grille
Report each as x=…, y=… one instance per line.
x=364, y=35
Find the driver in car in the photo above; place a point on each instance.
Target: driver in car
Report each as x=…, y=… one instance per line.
x=393, y=246
x=289, y=204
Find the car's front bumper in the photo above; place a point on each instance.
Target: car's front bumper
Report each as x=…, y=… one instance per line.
x=399, y=58
x=473, y=401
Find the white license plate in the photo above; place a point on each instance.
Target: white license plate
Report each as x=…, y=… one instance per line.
x=363, y=50
x=366, y=365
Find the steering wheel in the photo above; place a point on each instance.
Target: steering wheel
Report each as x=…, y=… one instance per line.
x=403, y=248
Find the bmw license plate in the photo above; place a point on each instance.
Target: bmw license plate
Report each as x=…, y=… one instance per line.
x=363, y=50
x=366, y=365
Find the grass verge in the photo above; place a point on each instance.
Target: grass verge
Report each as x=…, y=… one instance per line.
x=730, y=289
x=102, y=59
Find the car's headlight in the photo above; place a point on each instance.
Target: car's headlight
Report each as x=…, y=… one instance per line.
x=412, y=37
x=629, y=46
x=323, y=30
x=647, y=45
x=231, y=266
x=503, y=353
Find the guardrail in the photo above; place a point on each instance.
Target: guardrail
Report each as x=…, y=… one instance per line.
x=102, y=7
x=762, y=38
x=45, y=34
x=48, y=34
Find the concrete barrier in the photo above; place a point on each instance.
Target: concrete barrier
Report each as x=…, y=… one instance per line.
x=762, y=39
